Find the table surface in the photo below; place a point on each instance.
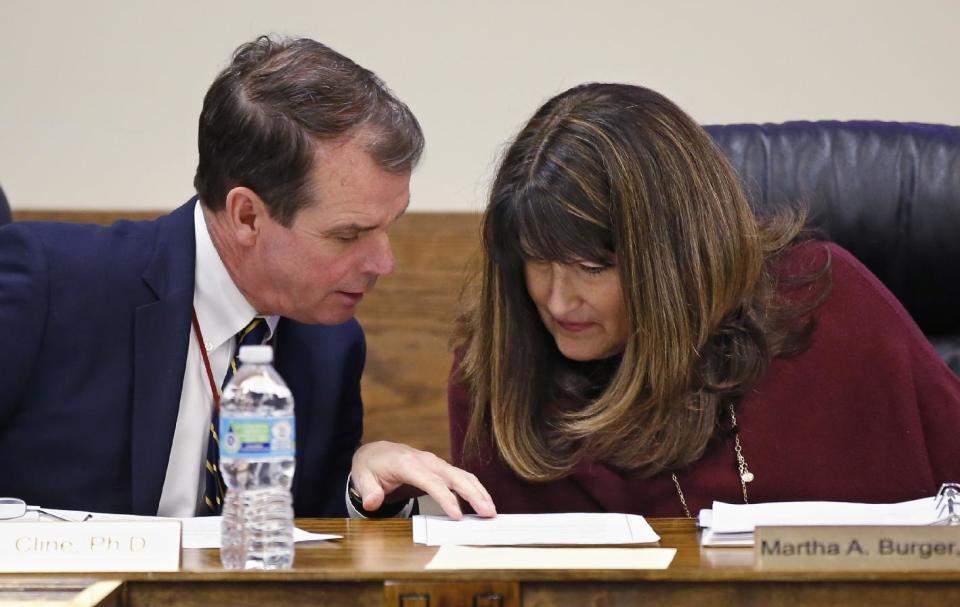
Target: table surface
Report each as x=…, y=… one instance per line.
x=376, y=564
x=384, y=549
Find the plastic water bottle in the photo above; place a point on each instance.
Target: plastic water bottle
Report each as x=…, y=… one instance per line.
x=257, y=458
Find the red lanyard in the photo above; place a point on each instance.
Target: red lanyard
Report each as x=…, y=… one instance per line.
x=206, y=362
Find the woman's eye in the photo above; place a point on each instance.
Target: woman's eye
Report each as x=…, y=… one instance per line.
x=592, y=268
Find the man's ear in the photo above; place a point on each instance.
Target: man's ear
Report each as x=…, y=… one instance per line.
x=246, y=214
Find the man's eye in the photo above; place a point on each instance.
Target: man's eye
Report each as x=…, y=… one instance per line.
x=347, y=237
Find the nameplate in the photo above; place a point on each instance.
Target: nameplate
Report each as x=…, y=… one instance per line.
x=90, y=546
x=857, y=548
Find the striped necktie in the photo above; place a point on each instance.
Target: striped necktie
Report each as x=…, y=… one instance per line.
x=253, y=334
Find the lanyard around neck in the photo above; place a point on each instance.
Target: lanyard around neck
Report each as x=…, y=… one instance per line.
x=214, y=390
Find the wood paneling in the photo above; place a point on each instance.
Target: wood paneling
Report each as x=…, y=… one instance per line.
x=408, y=320
x=753, y=594
x=451, y=594
x=103, y=218
x=244, y=593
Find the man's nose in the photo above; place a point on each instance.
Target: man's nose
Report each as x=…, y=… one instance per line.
x=380, y=260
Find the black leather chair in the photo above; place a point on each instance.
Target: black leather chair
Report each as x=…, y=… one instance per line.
x=888, y=192
x=5, y=216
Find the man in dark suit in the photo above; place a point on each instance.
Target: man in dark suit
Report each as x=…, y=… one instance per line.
x=108, y=333
x=4, y=209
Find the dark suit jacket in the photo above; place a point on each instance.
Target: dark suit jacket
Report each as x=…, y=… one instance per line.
x=94, y=328
x=4, y=209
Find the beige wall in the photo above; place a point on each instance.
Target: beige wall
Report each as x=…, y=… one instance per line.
x=98, y=100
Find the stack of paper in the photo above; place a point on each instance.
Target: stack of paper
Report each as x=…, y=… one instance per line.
x=518, y=529
x=733, y=524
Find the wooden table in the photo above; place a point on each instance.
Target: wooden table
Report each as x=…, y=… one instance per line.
x=377, y=564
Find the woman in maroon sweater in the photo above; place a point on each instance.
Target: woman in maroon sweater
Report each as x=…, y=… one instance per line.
x=642, y=342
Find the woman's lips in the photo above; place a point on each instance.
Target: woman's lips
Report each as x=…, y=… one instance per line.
x=574, y=327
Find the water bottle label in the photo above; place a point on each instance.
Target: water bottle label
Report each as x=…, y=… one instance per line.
x=257, y=437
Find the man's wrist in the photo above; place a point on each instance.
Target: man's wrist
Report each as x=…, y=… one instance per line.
x=354, y=500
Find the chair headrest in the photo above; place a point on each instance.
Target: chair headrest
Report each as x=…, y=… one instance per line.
x=888, y=192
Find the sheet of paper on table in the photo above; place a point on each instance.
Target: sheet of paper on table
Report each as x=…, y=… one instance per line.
x=204, y=532
x=734, y=524
x=468, y=557
x=549, y=529
x=197, y=532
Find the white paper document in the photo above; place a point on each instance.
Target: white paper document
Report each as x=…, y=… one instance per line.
x=204, y=532
x=467, y=557
x=198, y=532
x=547, y=529
x=734, y=524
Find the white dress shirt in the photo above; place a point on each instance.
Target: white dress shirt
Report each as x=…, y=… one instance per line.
x=222, y=312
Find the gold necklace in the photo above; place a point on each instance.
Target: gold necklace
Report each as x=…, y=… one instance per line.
x=745, y=475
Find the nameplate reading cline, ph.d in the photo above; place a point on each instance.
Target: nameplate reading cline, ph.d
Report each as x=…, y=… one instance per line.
x=90, y=546
x=850, y=547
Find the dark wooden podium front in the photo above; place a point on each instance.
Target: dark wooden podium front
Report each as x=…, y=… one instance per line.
x=377, y=564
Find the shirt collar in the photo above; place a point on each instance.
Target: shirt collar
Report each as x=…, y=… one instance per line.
x=221, y=308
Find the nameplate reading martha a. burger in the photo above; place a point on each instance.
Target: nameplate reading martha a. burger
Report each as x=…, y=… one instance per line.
x=31, y=547
x=850, y=547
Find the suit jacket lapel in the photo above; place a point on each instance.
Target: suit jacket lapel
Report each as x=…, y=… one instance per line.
x=161, y=337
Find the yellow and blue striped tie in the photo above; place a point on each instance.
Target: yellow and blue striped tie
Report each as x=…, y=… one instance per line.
x=214, y=489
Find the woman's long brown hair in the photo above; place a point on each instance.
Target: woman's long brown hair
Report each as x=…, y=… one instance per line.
x=618, y=174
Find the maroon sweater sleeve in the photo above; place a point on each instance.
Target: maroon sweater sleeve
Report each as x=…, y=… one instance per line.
x=458, y=406
x=928, y=384
x=935, y=388
x=867, y=413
